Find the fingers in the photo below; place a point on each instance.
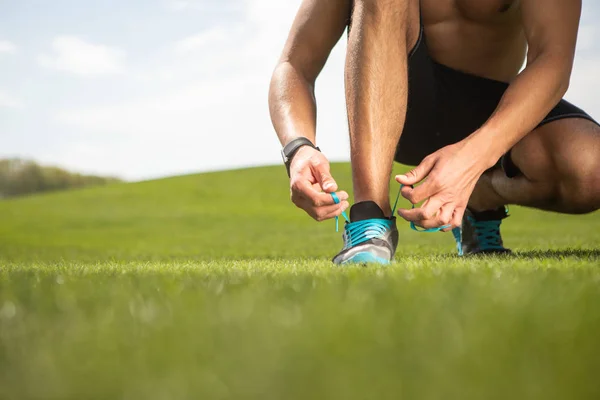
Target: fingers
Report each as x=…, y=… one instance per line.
x=322, y=173
x=445, y=217
x=329, y=212
x=319, y=205
x=312, y=186
x=457, y=217
x=428, y=211
x=418, y=174
x=449, y=215
x=429, y=188
x=303, y=189
x=433, y=214
x=325, y=212
x=425, y=191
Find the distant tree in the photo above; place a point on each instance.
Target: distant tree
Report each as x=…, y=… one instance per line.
x=22, y=177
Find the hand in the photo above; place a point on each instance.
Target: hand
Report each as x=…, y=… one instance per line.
x=450, y=175
x=311, y=185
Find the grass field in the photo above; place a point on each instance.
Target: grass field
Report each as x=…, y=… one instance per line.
x=214, y=286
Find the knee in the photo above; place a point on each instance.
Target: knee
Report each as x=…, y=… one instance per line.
x=580, y=186
x=563, y=158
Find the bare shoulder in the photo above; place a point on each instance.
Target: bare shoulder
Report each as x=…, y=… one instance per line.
x=553, y=27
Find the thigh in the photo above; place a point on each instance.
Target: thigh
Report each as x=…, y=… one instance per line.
x=444, y=106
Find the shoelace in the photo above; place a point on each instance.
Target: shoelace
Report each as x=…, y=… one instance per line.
x=456, y=232
x=488, y=233
x=362, y=231
x=376, y=226
x=336, y=200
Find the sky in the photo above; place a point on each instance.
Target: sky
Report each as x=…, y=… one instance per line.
x=142, y=89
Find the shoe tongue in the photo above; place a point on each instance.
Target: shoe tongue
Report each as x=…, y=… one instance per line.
x=366, y=210
x=490, y=215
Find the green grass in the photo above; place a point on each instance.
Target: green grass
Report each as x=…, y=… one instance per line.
x=214, y=286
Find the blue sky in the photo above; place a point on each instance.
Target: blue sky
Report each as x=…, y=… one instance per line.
x=144, y=89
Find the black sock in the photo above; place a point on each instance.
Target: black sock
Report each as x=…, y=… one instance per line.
x=490, y=215
x=366, y=210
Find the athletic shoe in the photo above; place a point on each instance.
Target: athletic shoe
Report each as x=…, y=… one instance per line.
x=369, y=237
x=480, y=233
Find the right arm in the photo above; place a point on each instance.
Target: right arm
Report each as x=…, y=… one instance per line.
x=317, y=28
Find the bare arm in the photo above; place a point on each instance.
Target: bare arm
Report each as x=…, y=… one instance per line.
x=452, y=172
x=551, y=29
x=317, y=28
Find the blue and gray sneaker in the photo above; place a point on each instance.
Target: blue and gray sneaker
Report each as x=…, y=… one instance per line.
x=369, y=237
x=480, y=233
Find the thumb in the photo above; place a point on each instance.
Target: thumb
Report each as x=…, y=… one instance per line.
x=418, y=174
x=324, y=177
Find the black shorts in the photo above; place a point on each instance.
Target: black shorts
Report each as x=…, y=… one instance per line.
x=446, y=105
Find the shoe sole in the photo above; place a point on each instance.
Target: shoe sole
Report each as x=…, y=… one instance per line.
x=365, y=258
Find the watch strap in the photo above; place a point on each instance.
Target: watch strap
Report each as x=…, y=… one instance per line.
x=290, y=150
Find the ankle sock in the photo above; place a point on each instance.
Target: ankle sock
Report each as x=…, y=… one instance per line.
x=366, y=210
x=490, y=215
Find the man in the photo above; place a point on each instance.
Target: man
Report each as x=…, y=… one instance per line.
x=436, y=84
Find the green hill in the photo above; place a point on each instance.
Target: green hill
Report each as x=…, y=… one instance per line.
x=214, y=286
x=224, y=215
x=20, y=177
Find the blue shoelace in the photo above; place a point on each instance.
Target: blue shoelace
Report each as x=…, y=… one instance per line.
x=361, y=231
x=488, y=233
x=456, y=232
x=336, y=200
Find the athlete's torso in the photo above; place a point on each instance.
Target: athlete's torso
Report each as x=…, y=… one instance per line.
x=482, y=37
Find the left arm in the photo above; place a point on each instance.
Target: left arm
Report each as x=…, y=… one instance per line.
x=453, y=171
x=551, y=31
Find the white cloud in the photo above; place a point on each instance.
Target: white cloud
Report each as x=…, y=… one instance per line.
x=8, y=101
x=179, y=5
x=75, y=55
x=585, y=80
x=588, y=37
x=201, y=5
x=585, y=85
x=7, y=46
x=213, y=114
x=200, y=40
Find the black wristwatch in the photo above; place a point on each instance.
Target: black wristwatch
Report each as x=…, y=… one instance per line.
x=290, y=150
